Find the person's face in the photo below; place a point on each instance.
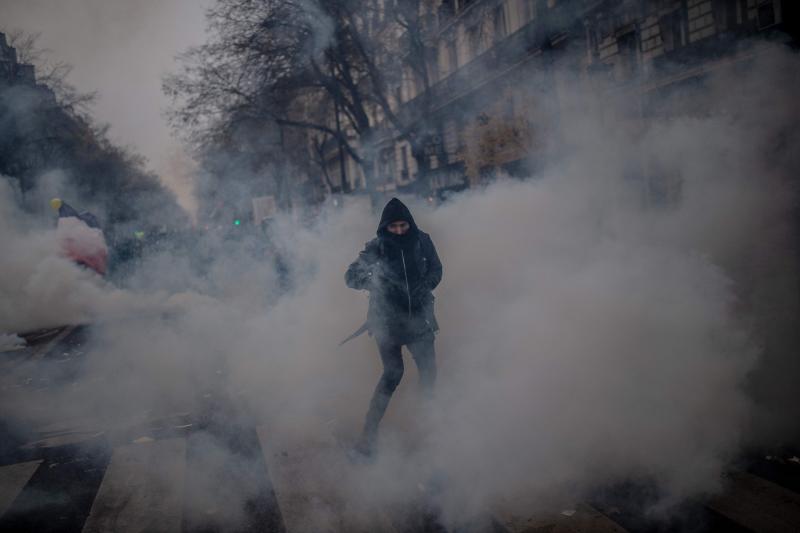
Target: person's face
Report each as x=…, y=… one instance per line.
x=398, y=227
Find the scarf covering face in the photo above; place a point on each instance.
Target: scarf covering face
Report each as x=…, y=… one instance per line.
x=394, y=211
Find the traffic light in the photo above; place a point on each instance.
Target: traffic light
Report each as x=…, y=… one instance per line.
x=237, y=222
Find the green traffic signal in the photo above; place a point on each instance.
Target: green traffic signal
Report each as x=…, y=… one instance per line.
x=237, y=222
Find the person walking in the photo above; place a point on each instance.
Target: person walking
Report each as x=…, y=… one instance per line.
x=400, y=268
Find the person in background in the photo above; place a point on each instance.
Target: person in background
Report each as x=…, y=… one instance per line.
x=80, y=237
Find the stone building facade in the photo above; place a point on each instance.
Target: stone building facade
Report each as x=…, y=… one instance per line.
x=487, y=54
x=12, y=72
x=20, y=90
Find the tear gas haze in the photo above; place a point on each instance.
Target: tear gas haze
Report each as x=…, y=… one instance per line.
x=586, y=336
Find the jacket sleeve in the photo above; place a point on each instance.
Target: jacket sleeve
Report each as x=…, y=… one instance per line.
x=359, y=273
x=434, y=274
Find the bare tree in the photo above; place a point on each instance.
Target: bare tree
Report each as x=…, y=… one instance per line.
x=265, y=62
x=40, y=135
x=266, y=58
x=51, y=73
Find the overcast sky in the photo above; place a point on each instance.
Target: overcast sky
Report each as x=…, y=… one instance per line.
x=121, y=49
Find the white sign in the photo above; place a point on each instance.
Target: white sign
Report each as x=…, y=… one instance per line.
x=263, y=207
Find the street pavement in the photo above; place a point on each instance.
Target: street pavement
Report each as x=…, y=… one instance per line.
x=218, y=470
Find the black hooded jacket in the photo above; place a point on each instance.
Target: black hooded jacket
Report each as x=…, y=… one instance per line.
x=399, y=271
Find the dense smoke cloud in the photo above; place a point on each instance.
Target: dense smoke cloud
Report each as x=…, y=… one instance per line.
x=585, y=336
x=595, y=339
x=40, y=288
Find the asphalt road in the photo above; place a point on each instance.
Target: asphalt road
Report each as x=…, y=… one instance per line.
x=216, y=469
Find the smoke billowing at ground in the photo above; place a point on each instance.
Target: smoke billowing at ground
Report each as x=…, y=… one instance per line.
x=586, y=337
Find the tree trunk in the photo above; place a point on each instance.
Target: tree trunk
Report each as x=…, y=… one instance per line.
x=423, y=167
x=375, y=197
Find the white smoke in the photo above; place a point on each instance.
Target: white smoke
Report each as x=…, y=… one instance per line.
x=586, y=337
x=41, y=288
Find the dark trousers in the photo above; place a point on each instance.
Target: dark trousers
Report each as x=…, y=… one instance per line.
x=392, y=357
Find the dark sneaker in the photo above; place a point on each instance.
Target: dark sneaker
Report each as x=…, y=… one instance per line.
x=362, y=452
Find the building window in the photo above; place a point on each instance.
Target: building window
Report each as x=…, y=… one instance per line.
x=474, y=40
x=404, y=162
x=766, y=14
x=673, y=30
x=448, y=60
x=461, y=134
x=629, y=59
x=387, y=166
x=450, y=139
x=452, y=57
x=499, y=22
x=728, y=14
x=528, y=10
x=444, y=64
x=446, y=11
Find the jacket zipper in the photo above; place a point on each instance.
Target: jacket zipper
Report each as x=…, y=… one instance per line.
x=405, y=273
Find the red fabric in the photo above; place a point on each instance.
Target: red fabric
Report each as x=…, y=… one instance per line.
x=96, y=261
x=82, y=244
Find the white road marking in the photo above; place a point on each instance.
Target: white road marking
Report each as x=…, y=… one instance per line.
x=142, y=489
x=302, y=500
x=13, y=479
x=310, y=484
x=42, y=350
